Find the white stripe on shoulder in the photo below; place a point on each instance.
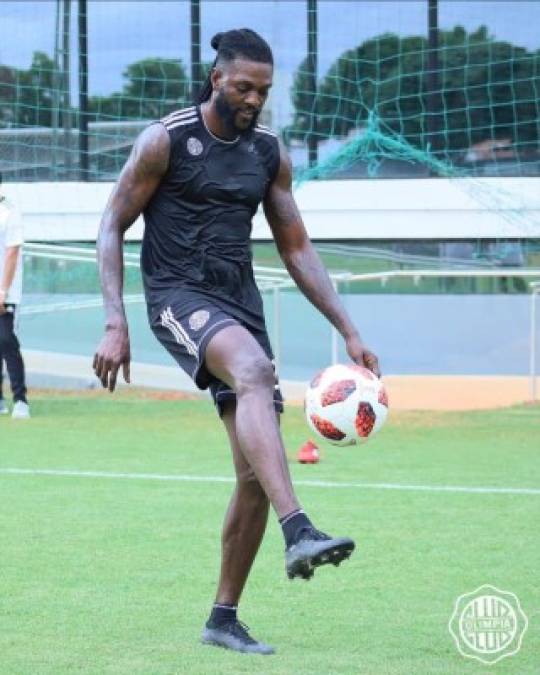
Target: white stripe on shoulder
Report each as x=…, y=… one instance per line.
x=181, y=123
x=265, y=131
x=170, y=120
x=179, y=113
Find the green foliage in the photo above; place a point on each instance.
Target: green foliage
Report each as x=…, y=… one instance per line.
x=380, y=96
x=27, y=95
x=486, y=89
x=153, y=87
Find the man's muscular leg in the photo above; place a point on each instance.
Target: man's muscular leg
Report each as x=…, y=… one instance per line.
x=235, y=357
x=245, y=521
x=243, y=530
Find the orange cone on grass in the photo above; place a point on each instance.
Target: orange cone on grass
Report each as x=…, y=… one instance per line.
x=308, y=453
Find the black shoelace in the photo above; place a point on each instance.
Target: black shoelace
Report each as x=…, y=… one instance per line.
x=311, y=533
x=240, y=629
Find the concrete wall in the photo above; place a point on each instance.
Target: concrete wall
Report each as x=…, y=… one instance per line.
x=354, y=209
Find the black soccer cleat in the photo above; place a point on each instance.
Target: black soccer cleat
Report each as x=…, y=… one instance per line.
x=312, y=549
x=233, y=635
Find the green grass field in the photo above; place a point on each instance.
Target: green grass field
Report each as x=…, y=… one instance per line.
x=104, y=574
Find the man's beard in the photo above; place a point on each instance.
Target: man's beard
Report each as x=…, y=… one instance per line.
x=228, y=114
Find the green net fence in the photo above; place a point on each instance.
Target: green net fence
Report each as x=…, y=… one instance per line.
x=450, y=101
x=478, y=102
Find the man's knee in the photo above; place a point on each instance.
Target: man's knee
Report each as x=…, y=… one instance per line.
x=255, y=373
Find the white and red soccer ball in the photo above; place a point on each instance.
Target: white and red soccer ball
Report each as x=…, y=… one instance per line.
x=346, y=404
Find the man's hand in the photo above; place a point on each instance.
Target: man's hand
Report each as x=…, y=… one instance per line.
x=361, y=355
x=113, y=352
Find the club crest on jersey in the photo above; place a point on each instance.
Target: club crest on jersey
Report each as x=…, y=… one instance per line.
x=198, y=319
x=194, y=146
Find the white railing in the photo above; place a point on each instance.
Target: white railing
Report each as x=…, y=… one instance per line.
x=267, y=277
x=417, y=275
x=274, y=279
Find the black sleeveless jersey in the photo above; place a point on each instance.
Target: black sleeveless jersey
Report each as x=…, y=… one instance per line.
x=198, y=222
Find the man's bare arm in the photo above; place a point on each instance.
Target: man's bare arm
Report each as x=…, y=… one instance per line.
x=304, y=264
x=137, y=183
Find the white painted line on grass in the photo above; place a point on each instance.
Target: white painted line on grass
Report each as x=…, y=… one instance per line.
x=303, y=483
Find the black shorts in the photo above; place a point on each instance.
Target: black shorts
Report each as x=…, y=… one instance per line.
x=185, y=333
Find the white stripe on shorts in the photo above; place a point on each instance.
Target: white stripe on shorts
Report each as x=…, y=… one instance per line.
x=180, y=335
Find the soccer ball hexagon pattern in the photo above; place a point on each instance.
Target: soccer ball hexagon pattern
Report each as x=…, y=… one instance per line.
x=346, y=404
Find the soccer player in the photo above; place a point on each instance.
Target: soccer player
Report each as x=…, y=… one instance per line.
x=198, y=176
x=11, y=240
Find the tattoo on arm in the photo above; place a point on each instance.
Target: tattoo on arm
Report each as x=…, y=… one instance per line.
x=298, y=253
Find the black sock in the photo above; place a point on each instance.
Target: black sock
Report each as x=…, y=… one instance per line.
x=291, y=523
x=222, y=613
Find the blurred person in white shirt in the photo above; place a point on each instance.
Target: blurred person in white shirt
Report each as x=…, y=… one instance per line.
x=11, y=240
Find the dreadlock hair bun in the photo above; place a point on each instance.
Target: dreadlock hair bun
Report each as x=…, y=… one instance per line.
x=216, y=40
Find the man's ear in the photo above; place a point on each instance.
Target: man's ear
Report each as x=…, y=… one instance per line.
x=215, y=77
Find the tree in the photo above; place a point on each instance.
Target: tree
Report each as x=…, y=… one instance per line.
x=153, y=87
x=27, y=94
x=37, y=98
x=486, y=90
x=8, y=95
x=305, y=104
